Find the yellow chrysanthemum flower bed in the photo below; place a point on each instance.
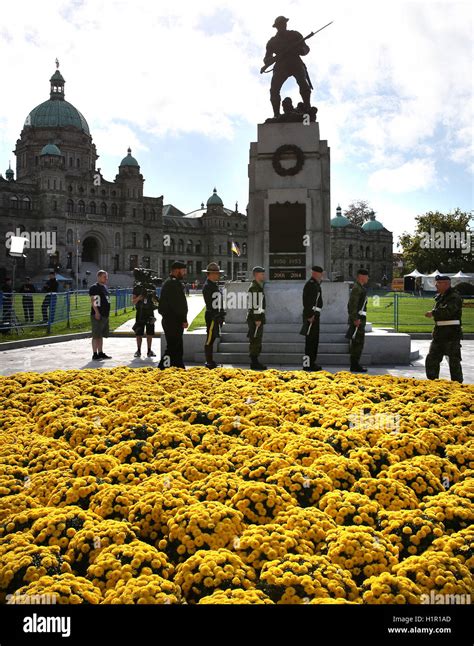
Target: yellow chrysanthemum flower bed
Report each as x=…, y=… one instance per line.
x=230, y=486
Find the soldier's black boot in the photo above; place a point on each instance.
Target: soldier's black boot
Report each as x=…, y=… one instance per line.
x=255, y=364
x=210, y=363
x=356, y=367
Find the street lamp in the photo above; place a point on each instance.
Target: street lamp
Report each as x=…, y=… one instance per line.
x=17, y=246
x=231, y=258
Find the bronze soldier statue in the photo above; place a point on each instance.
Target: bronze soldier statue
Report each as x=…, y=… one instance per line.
x=447, y=333
x=287, y=46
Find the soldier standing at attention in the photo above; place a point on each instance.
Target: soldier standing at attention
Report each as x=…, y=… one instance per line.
x=256, y=317
x=447, y=333
x=215, y=313
x=173, y=308
x=312, y=306
x=287, y=43
x=357, y=310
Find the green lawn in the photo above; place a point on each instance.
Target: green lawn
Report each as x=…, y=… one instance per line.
x=79, y=317
x=380, y=312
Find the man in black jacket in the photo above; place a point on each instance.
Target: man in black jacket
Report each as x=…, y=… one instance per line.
x=215, y=312
x=49, y=301
x=173, y=308
x=28, y=307
x=312, y=306
x=447, y=334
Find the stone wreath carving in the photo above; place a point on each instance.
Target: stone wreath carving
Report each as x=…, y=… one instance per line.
x=284, y=150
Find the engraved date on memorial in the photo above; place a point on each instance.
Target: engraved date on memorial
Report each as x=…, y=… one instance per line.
x=288, y=260
x=287, y=274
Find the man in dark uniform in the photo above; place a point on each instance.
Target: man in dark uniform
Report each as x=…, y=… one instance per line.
x=447, y=333
x=173, y=308
x=7, y=304
x=357, y=310
x=215, y=312
x=312, y=306
x=289, y=65
x=49, y=301
x=28, y=308
x=256, y=317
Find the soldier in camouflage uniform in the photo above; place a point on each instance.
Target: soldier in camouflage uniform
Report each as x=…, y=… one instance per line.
x=256, y=317
x=447, y=333
x=357, y=310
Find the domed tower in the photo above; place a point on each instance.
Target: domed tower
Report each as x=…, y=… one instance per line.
x=57, y=122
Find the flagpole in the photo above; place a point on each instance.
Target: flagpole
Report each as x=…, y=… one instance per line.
x=231, y=257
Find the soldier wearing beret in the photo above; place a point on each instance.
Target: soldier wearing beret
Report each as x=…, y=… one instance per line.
x=312, y=307
x=256, y=317
x=447, y=333
x=357, y=310
x=173, y=308
x=215, y=312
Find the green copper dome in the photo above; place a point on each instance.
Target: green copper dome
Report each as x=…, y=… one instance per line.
x=340, y=220
x=51, y=149
x=56, y=112
x=372, y=224
x=215, y=200
x=129, y=160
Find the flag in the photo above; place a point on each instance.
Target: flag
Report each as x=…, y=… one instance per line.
x=235, y=248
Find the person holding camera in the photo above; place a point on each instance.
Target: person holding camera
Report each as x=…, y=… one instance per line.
x=144, y=320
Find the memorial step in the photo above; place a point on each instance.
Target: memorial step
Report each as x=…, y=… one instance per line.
x=282, y=358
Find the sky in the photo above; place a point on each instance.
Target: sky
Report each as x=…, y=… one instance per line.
x=179, y=82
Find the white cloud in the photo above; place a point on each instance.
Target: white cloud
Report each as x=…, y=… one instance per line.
x=412, y=176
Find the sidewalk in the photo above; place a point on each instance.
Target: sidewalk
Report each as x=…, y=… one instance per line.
x=77, y=355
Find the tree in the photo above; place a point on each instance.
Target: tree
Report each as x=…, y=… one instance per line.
x=441, y=241
x=358, y=212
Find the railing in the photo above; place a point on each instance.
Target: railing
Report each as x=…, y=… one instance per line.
x=28, y=311
x=404, y=312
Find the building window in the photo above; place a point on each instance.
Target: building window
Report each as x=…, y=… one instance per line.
x=134, y=213
x=133, y=262
x=350, y=251
x=384, y=255
x=103, y=208
x=78, y=163
x=117, y=239
x=198, y=267
x=81, y=207
x=189, y=246
x=190, y=267
x=244, y=266
x=229, y=270
x=244, y=248
x=69, y=260
x=134, y=240
x=69, y=237
x=26, y=204
x=146, y=241
x=180, y=246
x=70, y=206
x=92, y=208
x=361, y=251
x=229, y=246
x=153, y=215
x=220, y=250
x=70, y=162
x=146, y=262
x=114, y=209
x=367, y=252
x=55, y=206
x=198, y=246
x=172, y=245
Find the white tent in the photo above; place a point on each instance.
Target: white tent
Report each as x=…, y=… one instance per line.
x=460, y=274
x=414, y=274
x=429, y=283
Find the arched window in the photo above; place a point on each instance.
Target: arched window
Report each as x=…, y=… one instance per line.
x=189, y=246
x=350, y=251
x=244, y=248
x=117, y=239
x=14, y=202
x=198, y=246
x=69, y=237
x=92, y=208
x=114, y=209
x=180, y=246
x=172, y=245
x=81, y=207
x=361, y=251
x=146, y=262
x=146, y=241
x=384, y=253
x=26, y=204
x=103, y=208
x=78, y=163
x=134, y=240
x=367, y=252
x=70, y=206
